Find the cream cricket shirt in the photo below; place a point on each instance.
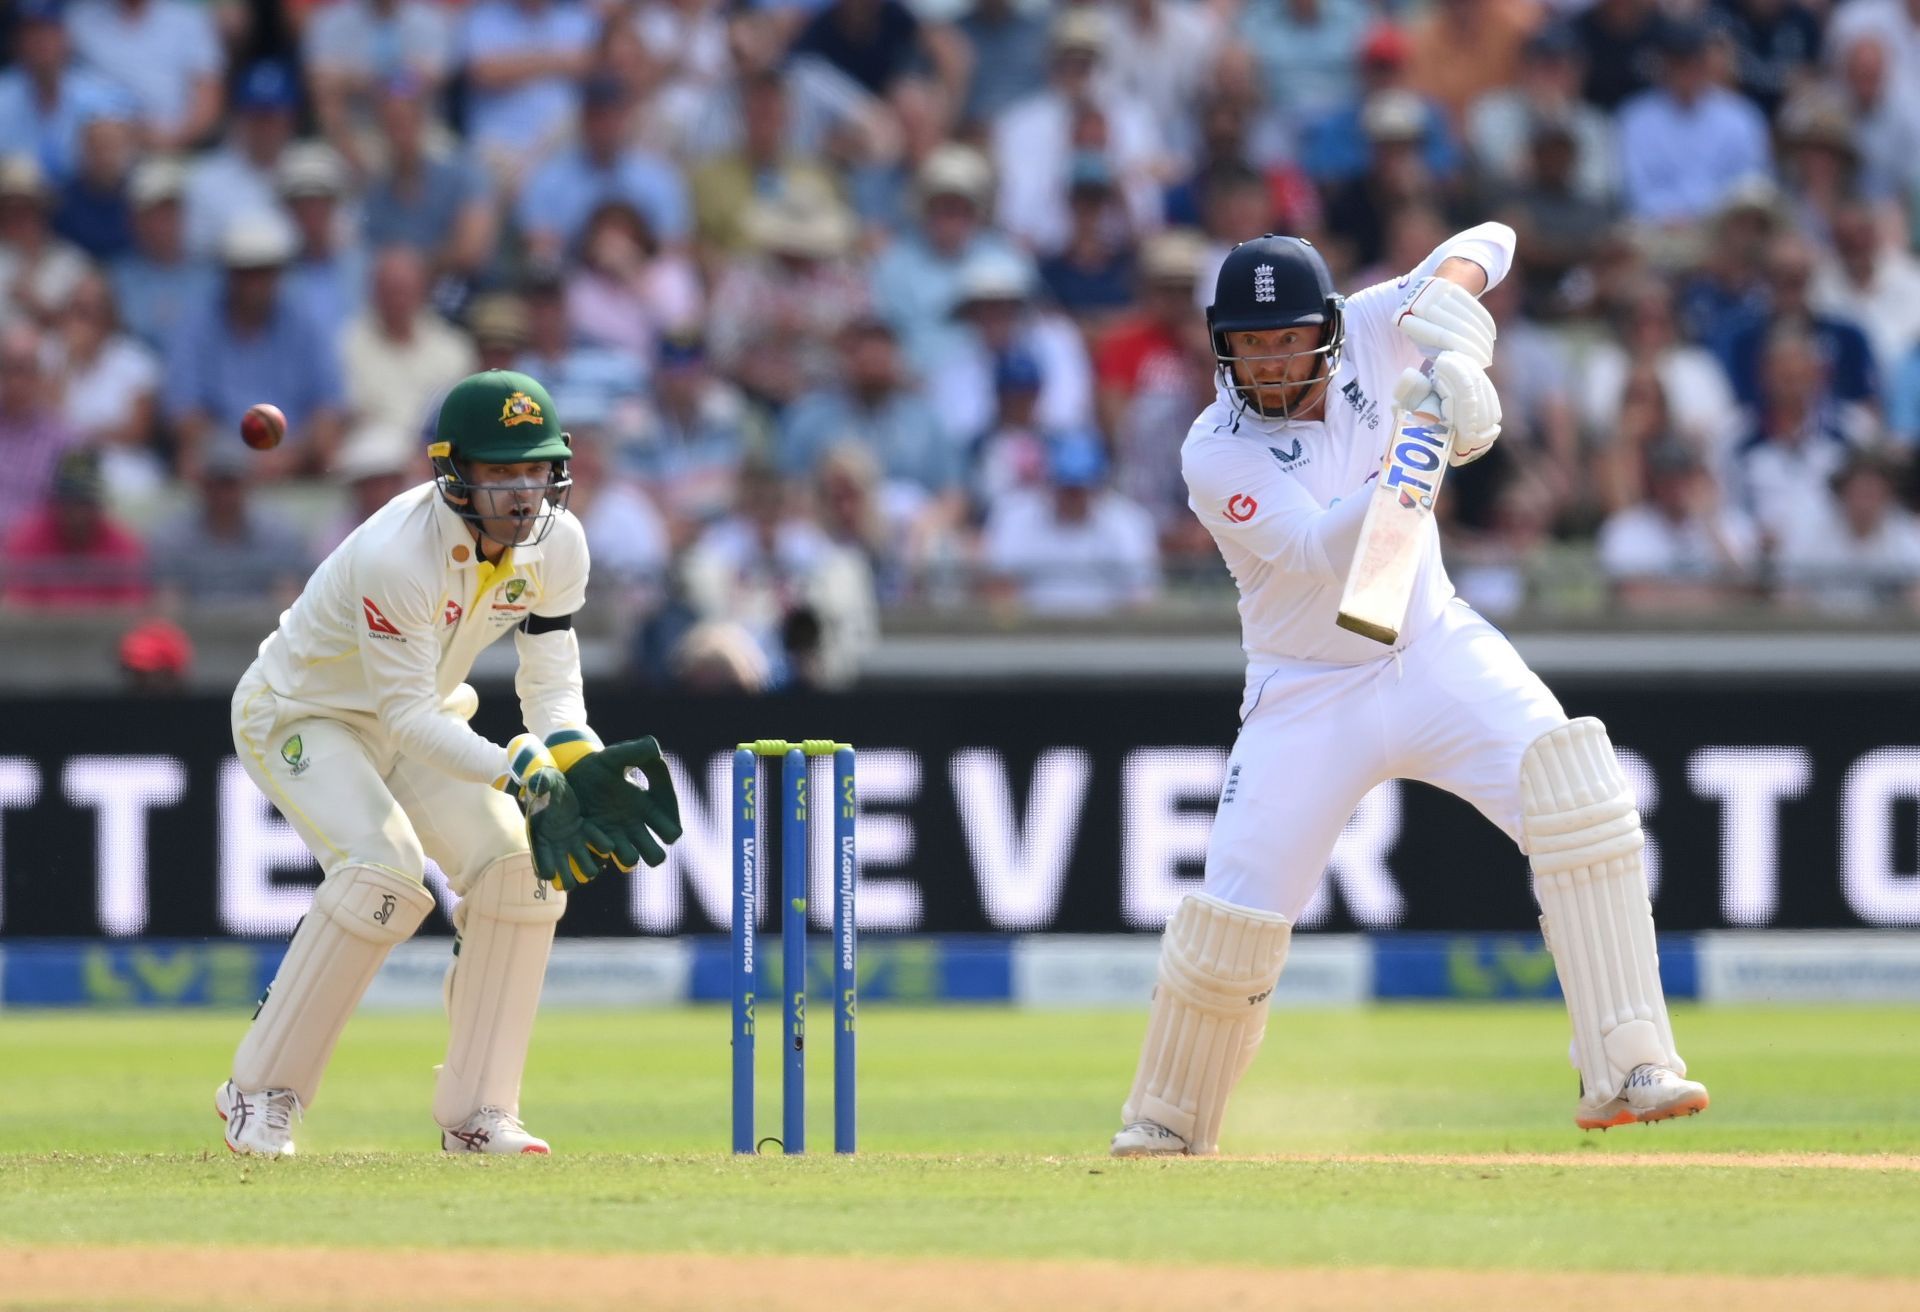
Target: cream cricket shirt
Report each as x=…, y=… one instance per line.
x=1279, y=495
x=387, y=630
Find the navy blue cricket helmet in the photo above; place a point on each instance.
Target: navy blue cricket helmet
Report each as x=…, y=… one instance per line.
x=1275, y=282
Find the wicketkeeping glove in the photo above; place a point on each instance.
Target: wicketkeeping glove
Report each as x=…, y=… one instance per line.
x=630, y=816
x=567, y=848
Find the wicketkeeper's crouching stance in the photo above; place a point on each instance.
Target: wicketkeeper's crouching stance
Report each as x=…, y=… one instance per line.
x=1280, y=468
x=353, y=723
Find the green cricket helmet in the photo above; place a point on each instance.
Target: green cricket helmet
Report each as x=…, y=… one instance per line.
x=499, y=417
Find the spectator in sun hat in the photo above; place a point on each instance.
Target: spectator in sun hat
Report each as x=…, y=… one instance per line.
x=252, y=342
x=377, y=462
x=797, y=293
x=242, y=174
x=498, y=324
x=329, y=274
x=998, y=311
x=158, y=281
x=916, y=278
x=166, y=53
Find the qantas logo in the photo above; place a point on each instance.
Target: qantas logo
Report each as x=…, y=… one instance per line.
x=1241, y=507
x=453, y=613
x=378, y=625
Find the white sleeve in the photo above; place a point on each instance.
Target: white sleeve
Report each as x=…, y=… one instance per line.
x=400, y=654
x=1371, y=311
x=1242, y=498
x=1489, y=245
x=548, y=679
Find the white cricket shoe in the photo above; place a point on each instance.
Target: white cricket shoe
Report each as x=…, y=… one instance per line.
x=258, y=1124
x=1146, y=1139
x=492, y=1130
x=1652, y=1093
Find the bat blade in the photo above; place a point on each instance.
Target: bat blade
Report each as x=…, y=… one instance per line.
x=1387, y=557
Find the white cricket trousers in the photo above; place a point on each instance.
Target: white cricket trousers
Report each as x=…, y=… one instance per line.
x=355, y=801
x=1456, y=709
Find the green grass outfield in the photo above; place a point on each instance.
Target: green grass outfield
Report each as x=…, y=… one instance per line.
x=982, y=1136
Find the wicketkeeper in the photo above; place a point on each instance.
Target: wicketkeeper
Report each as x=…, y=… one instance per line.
x=353, y=722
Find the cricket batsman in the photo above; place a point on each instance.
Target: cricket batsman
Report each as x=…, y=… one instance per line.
x=353, y=722
x=1279, y=468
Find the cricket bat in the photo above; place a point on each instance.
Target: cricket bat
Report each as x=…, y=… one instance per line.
x=1380, y=580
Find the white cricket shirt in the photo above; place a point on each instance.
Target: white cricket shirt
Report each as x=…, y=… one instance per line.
x=388, y=628
x=1283, y=498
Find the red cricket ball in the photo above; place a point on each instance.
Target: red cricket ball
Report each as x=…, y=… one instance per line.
x=263, y=426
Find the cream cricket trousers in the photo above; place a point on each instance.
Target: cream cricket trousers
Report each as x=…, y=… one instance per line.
x=354, y=801
x=1455, y=709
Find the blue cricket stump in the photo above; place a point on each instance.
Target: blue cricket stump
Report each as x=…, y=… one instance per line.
x=795, y=830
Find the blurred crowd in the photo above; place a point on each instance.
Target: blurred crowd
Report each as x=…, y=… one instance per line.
x=864, y=304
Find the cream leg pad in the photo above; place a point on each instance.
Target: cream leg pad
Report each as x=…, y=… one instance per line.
x=506, y=923
x=358, y=914
x=1218, y=965
x=1583, y=834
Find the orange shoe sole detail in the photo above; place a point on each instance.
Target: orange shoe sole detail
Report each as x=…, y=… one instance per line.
x=1685, y=1107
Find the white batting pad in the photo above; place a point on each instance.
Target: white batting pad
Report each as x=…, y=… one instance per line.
x=1584, y=837
x=358, y=914
x=1218, y=965
x=506, y=926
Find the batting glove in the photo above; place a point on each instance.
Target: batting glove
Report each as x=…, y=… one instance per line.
x=1441, y=315
x=1469, y=404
